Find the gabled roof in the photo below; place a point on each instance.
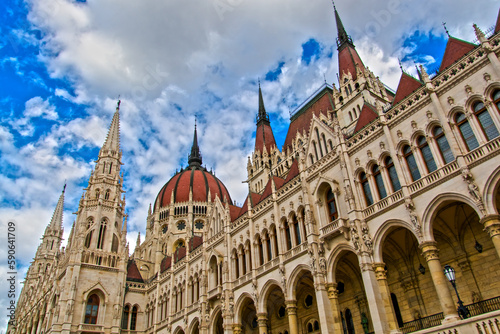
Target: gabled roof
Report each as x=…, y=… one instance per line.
x=368, y=114
x=294, y=170
x=133, y=273
x=497, y=26
x=407, y=85
x=317, y=104
x=455, y=49
x=254, y=198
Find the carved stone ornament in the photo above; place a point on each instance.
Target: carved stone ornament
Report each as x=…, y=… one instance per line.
x=399, y=134
x=486, y=76
x=410, y=207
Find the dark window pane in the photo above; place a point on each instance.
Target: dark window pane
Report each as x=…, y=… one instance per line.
x=429, y=159
x=412, y=165
x=366, y=189
x=380, y=185
x=488, y=126
x=468, y=135
x=445, y=149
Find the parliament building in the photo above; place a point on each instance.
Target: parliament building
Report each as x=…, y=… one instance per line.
x=380, y=214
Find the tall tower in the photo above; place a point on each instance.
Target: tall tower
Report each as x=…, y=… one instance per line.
x=359, y=89
x=97, y=251
x=265, y=152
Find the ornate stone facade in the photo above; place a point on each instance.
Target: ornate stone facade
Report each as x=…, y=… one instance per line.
x=346, y=229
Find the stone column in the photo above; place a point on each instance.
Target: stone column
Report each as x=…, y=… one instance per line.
x=373, y=296
x=262, y=321
x=291, y=310
x=293, y=236
x=274, y=251
x=326, y=316
x=334, y=304
x=263, y=242
x=491, y=224
x=381, y=275
x=441, y=284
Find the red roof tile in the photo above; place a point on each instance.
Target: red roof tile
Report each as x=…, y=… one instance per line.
x=407, y=85
x=264, y=137
x=268, y=189
x=455, y=49
x=166, y=263
x=254, y=200
x=133, y=273
x=303, y=121
x=234, y=212
x=294, y=170
x=348, y=58
x=195, y=242
x=368, y=114
x=200, y=180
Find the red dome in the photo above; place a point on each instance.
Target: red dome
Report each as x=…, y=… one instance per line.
x=196, y=178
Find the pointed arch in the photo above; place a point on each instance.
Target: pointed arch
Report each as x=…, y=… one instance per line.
x=382, y=232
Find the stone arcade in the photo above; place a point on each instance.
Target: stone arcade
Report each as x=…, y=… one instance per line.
x=345, y=230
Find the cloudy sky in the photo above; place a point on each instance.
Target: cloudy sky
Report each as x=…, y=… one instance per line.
x=63, y=64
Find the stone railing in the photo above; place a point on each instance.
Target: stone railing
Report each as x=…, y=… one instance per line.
x=339, y=225
x=91, y=328
x=480, y=152
x=383, y=203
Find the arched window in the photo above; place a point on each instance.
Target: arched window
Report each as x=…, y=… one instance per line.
x=236, y=264
x=427, y=154
x=92, y=309
x=484, y=117
x=397, y=311
x=466, y=131
x=324, y=142
x=288, y=236
x=102, y=233
x=366, y=189
x=107, y=194
x=393, y=175
x=133, y=318
x=444, y=147
x=97, y=193
x=331, y=205
x=261, y=251
x=126, y=311
x=379, y=182
x=349, y=322
x=114, y=245
x=88, y=239
x=412, y=164
x=350, y=116
x=269, y=250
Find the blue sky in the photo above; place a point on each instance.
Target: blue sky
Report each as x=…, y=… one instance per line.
x=63, y=64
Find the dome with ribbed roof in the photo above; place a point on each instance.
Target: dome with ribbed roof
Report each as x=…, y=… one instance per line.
x=204, y=185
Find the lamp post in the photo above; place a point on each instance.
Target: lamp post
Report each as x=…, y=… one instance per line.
x=449, y=272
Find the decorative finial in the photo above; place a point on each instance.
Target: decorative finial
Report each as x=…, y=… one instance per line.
x=258, y=79
x=324, y=77
x=446, y=29
x=400, y=65
x=333, y=3
x=64, y=188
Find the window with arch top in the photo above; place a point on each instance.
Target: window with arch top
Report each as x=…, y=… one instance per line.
x=92, y=309
x=133, y=318
x=366, y=188
x=466, y=131
x=393, y=175
x=379, y=182
x=423, y=146
x=411, y=162
x=442, y=143
x=331, y=205
x=484, y=118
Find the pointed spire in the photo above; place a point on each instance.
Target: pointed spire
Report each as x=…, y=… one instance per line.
x=112, y=142
x=56, y=221
x=195, y=156
x=262, y=116
x=479, y=34
x=342, y=37
x=138, y=242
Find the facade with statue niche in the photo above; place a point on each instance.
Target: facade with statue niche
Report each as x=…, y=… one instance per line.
x=347, y=229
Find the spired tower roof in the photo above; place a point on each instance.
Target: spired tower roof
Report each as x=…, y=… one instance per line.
x=112, y=142
x=264, y=137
